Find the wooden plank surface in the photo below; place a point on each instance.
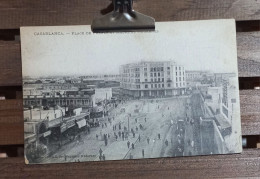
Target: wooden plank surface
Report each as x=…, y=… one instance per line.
x=248, y=46
x=10, y=64
x=16, y=13
x=220, y=166
x=248, y=58
x=250, y=111
x=11, y=117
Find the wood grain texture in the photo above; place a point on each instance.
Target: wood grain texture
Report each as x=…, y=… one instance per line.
x=10, y=64
x=248, y=58
x=220, y=166
x=16, y=13
x=250, y=111
x=248, y=46
x=11, y=117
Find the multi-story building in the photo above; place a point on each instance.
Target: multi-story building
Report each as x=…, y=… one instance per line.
x=152, y=79
x=229, y=97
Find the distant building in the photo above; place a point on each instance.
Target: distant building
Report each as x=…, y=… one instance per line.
x=102, y=94
x=152, y=79
x=103, y=77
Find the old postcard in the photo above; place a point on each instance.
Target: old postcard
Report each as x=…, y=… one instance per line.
x=114, y=96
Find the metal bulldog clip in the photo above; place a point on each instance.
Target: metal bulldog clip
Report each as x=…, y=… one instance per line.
x=123, y=18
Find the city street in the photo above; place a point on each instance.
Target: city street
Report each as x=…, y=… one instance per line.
x=153, y=132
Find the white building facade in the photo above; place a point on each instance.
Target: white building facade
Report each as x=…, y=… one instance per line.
x=152, y=79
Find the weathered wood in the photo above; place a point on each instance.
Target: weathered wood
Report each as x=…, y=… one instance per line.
x=10, y=64
x=220, y=166
x=248, y=58
x=250, y=111
x=11, y=117
x=248, y=45
x=16, y=13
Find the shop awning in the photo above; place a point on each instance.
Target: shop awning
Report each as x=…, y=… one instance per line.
x=81, y=123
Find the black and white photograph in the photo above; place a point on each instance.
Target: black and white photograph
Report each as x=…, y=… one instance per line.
x=117, y=96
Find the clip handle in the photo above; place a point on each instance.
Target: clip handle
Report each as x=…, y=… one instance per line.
x=123, y=5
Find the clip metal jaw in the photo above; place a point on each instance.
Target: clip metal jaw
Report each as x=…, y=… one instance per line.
x=123, y=18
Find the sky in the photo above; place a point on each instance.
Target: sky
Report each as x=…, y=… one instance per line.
x=197, y=45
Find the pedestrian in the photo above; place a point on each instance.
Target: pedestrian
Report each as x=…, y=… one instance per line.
x=143, y=152
x=119, y=133
x=139, y=137
x=123, y=135
x=100, y=157
x=102, y=125
x=116, y=137
x=103, y=157
x=113, y=127
x=166, y=142
x=135, y=120
x=136, y=128
x=144, y=119
x=96, y=136
x=140, y=126
x=119, y=126
x=148, y=140
x=128, y=144
x=105, y=141
x=108, y=135
x=159, y=136
x=133, y=135
x=133, y=146
x=105, y=124
x=100, y=151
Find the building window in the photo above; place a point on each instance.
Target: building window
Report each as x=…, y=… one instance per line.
x=168, y=68
x=161, y=68
x=151, y=74
x=146, y=86
x=179, y=68
x=162, y=79
x=151, y=85
x=145, y=80
x=155, y=80
x=155, y=85
x=180, y=78
x=168, y=73
x=176, y=84
x=176, y=68
x=145, y=69
x=169, y=85
x=159, y=85
x=154, y=74
x=180, y=73
x=151, y=69
x=145, y=74
x=159, y=79
x=154, y=69
x=158, y=74
x=138, y=86
x=162, y=85
x=176, y=78
x=151, y=80
x=176, y=73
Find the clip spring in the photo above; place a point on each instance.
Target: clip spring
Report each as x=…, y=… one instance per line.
x=123, y=18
